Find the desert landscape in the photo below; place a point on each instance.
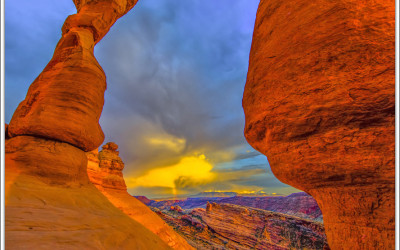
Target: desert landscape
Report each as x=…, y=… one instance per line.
x=318, y=99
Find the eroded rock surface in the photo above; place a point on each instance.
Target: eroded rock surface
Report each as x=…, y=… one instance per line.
x=65, y=101
x=319, y=103
x=105, y=172
x=49, y=201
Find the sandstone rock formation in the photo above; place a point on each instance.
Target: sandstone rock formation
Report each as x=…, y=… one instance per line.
x=227, y=226
x=49, y=201
x=105, y=172
x=51, y=204
x=65, y=101
x=319, y=103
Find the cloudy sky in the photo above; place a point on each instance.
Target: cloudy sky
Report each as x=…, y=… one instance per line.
x=176, y=71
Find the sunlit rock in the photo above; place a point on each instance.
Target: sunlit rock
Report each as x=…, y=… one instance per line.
x=105, y=171
x=319, y=103
x=65, y=101
x=49, y=201
x=51, y=204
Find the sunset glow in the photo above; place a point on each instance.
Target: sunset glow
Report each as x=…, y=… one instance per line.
x=189, y=171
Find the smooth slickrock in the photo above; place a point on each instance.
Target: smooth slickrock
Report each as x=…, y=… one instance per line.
x=227, y=226
x=319, y=103
x=65, y=101
x=105, y=172
x=51, y=204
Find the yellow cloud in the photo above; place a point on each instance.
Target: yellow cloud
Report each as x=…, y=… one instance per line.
x=190, y=170
x=167, y=141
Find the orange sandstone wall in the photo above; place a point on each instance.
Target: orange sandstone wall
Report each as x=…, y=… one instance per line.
x=319, y=102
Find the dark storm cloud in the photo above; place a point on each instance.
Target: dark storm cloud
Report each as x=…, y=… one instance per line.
x=182, y=69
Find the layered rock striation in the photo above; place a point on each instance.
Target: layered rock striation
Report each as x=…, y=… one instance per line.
x=319, y=102
x=49, y=201
x=298, y=204
x=105, y=172
x=227, y=226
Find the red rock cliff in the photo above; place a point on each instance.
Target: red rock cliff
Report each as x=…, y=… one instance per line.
x=49, y=200
x=105, y=172
x=319, y=102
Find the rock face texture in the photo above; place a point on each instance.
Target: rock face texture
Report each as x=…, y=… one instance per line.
x=319, y=102
x=49, y=201
x=227, y=226
x=65, y=101
x=105, y=172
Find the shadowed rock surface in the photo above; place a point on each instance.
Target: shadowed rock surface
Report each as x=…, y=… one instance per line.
x=49, y=201
x=105, y=172
x=319, y=102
